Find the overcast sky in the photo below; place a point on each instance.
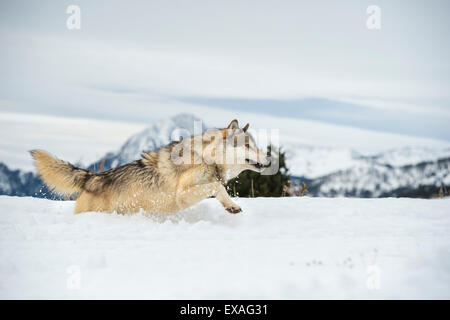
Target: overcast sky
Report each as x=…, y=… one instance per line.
x=142, y=60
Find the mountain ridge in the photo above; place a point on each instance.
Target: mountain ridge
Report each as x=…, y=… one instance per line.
x=329, y=172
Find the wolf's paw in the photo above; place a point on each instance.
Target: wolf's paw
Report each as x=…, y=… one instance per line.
x=234, y=209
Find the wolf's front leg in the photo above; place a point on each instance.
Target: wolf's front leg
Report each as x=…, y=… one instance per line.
x=191, y=195
x=225, y=200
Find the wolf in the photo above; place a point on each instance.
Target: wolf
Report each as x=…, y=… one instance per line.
x=170, y=179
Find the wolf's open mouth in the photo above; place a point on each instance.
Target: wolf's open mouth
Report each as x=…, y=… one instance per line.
x=257, y=165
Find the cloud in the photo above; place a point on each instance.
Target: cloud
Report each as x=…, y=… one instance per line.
x=135, y=56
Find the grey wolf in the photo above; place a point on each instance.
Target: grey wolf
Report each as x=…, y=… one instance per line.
x=170, y=179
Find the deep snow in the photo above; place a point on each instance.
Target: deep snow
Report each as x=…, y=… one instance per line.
x=278, y=248
x=313, y=148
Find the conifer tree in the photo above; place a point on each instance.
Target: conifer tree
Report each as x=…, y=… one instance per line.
x=253, y=184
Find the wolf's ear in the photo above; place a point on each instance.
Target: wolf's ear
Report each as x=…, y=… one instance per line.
x=246, y=127
x=233, y=124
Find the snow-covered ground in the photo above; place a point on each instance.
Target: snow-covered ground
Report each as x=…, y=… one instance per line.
x=278, y=248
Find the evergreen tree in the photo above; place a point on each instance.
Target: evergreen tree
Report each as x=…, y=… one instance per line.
x=253, y=184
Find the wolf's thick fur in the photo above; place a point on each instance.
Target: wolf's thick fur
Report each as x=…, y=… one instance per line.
x=154, y=183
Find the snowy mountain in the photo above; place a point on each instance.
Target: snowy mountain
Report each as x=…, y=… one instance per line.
x=374, y=179
x=409, y=155
x=409, y=171
x=313, y=162
x=403, y=172
x=316, y=161
x=155, y=136
x=413, y=171
x=21, y=183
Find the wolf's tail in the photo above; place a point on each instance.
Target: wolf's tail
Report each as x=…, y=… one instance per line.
x=59, y=175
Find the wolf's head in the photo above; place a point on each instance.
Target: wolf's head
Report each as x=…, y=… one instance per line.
x=234, y=150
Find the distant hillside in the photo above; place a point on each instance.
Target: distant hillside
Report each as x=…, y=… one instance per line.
x=374, y=180
x=152, y=138
x=329, y=172
x=20, y=183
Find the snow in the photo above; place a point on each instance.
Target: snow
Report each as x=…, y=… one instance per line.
x=367, y=179
x=316, y=161
x=278, y=248
x=411, y=155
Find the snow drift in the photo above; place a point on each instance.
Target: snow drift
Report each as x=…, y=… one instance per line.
x=278, y=248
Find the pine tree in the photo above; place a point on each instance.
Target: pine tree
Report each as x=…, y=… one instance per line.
x=253, y=184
